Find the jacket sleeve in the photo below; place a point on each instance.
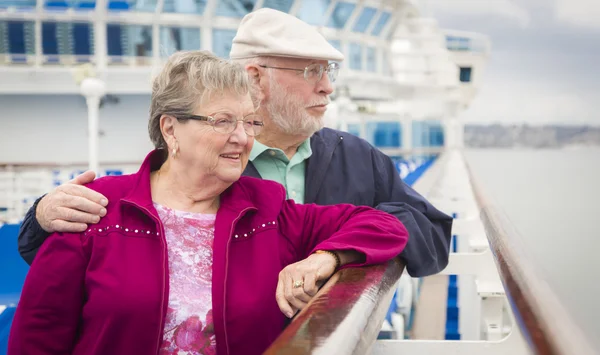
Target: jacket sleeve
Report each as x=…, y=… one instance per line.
x=49, y=310
x=429, y=229
x=31, y=235
x=310, y=227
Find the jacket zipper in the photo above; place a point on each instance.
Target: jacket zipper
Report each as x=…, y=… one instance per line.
x=226, y=271
x=162, y=294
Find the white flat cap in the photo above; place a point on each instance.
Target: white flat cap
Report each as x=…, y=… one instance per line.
x=268, y=32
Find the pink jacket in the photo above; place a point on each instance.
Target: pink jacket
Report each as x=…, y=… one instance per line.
x=105, y=291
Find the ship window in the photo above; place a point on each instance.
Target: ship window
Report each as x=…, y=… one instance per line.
x=173, y=39
x=381, y=22
x=311, y=11
x=17, y=38
x=281, y=5
x=337, y=44
x=371, y=60
x=465, y=74
x=184, y=6
x=132, y=5
x=128, y=40
x=386, y=134
x=341, y=14
x=355, y=56
x=19, y=4
x=222, y=40
x=62, y=5
x=66, y=38
x=234, y=8
x=365, y=18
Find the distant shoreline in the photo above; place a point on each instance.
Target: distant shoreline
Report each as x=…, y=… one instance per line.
x=532, y=137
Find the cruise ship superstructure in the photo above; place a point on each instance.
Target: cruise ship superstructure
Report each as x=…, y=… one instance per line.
x=403, y=87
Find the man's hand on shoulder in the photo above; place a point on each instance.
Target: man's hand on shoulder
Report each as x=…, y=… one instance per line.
x=71, y=206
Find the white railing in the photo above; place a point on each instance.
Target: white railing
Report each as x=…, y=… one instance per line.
x=21, y=185
x=486, y=321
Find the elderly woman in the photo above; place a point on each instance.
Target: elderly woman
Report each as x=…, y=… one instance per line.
x=190, y=257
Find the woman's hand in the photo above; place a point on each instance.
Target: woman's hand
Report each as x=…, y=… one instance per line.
x=299, y=282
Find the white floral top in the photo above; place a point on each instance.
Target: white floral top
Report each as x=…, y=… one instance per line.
x=189, y=324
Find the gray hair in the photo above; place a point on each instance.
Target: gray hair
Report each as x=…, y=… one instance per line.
x=187, y=80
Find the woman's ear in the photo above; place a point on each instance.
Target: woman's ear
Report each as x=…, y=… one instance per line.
x=167, y=128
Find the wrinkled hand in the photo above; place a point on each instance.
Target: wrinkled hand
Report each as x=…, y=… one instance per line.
x=70, y=207
x=312, y=270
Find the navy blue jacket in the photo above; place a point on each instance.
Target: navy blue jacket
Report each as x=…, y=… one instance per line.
x=345, y=169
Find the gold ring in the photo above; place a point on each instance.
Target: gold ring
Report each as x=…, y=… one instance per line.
x=298, y=284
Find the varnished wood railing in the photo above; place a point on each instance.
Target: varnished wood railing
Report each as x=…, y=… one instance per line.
x=543, y=319
x=345, y=317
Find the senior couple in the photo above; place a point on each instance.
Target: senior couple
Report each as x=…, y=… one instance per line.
x=245, y=206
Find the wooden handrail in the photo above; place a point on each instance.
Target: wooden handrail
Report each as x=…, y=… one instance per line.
x=345, y=316
x=545, y=323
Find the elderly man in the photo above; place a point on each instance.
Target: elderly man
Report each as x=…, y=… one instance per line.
x=292, y=68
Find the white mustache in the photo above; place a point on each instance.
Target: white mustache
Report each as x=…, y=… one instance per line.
x=320, y=103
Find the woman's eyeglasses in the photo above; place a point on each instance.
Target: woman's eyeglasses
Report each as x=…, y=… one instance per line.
x=224, y=123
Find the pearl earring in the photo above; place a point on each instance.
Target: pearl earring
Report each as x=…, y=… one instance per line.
x=174, y=153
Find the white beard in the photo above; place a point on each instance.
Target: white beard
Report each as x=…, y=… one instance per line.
x=288, y=113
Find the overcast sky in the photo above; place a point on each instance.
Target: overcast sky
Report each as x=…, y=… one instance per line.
x=545, y=60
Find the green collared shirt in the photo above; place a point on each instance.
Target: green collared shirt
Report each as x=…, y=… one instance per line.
x=273, y=164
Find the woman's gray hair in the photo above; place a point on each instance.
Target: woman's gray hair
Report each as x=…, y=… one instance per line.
x=187, y=80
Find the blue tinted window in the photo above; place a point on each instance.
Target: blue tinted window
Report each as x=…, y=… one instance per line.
x=312, y=11
x=354, y=128
x=385, y=134
x=355, y=56
x=465, y=74
x=458, y=43
x=337, y=44
x=3, y=37
x=129, y=40
x=371, y=60
x=340, y=15
x=427, y=134
x=17, y=37
x=83, y=39
x=132, y=5
x=222, y=42
x=65, y=38
x=184, y=6
x=420, y=134
x=174, y=39
x=234, y=8
x=381, y=22
x=436, y=134
x=49, y=38
x=281, y=5
x=17, y=3
x=61, y=5
x=365, y=18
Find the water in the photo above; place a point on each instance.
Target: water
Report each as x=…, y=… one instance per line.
x=553, y=199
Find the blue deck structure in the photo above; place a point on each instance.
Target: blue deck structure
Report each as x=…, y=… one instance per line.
x=13, y=270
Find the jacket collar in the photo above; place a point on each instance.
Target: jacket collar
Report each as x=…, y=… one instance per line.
x=323, y=144
x=235, y=198
x=141, y=191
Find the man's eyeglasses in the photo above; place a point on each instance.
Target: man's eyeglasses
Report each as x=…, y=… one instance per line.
x=314, y=72
x=224, y=123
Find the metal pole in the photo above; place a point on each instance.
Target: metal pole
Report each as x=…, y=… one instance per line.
x=93, y=89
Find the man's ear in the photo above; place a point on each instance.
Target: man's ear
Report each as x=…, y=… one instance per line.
x=258, y=83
